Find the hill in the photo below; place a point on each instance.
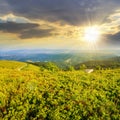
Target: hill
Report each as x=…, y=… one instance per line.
x=16, y=65
x=11, y=64
x=48, y=94
x=111, y=63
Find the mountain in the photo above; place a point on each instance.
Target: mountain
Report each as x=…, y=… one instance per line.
x=64, y=56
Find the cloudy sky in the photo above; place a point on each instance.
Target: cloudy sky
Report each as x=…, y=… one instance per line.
x=58, y=24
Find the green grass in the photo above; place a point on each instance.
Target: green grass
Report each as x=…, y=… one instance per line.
x=11, y=64
x=30, y=67
x=33, y=94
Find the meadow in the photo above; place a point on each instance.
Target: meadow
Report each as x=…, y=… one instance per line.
x=29, y=92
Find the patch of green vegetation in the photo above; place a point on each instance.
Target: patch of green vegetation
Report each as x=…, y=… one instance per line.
x=11, y=64
x=53, y=94
x=30, y=67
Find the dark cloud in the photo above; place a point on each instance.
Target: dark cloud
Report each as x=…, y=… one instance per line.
x=4, y=7
x=75, y=12
x=24, y=30
x=12, y=27
x=36, y=33
x=114, y=39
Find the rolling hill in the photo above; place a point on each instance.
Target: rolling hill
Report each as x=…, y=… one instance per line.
x=111, y=63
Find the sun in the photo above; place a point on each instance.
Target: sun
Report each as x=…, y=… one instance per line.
x=92, y=34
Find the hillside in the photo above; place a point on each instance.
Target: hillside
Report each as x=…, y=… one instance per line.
x=35, y=93
x=16, y=65
x=111, y=63
x=11, y=64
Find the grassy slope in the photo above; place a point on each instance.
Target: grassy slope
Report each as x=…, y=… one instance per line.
x=70, y=95
x=11, y=64
x=16, y=65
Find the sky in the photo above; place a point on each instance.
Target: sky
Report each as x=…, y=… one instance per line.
x=58, y=24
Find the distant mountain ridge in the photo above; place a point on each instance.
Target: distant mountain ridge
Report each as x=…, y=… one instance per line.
x=66, y=56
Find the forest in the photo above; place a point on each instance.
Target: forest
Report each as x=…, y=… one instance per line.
x=44, y=91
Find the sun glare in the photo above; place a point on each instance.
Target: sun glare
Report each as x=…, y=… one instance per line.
x=91, y=34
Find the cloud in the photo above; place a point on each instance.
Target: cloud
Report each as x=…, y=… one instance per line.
x=113, y=39
x=23, y=27
x=36, y=33
x=5, y=8
x=60, y=19
x=12, y=18
x=73, y=12
x=12, y=27
x=25, y=30
x=111, y=28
